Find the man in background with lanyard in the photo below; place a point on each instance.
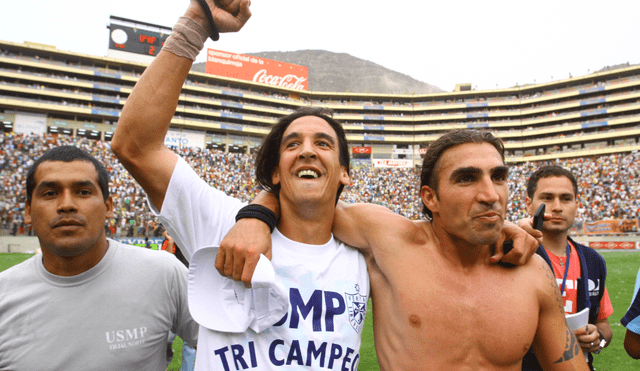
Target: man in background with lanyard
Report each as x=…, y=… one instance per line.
x=579, y=270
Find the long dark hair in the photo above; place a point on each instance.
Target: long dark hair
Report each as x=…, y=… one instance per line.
x=268, y=156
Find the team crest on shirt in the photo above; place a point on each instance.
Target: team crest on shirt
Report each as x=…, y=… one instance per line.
x=357, y=307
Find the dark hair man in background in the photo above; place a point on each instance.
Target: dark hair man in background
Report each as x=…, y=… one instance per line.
x=86, y=302
x=579, y=270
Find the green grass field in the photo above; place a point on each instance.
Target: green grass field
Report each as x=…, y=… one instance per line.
x=622, y=269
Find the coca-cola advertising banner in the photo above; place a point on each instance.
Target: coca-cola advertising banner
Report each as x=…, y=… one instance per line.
x=266, y=71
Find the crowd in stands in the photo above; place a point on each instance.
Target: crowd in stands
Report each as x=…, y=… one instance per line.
x=609, y=186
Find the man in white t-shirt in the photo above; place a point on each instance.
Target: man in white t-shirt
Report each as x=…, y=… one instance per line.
x=86, y=302
x=326, y=283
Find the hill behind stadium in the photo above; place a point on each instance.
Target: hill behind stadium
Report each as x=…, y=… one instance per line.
x=342, y=72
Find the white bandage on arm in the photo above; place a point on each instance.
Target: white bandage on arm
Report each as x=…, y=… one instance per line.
x=187, y=39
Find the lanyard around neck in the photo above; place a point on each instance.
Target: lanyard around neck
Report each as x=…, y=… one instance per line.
x=566, y=270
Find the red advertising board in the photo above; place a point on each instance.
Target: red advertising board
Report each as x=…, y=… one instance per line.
x=266, y=71
x=614, y=245
x=361, y=149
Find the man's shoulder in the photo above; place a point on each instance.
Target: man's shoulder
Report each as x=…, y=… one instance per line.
x=140, y=256
x=187, y=191
x=536, y=269
x=185, y=177
x=580, y=246
x=536, y=262
x=589, y=252
x=538, y=275
x=19, y=279
x=18, y=272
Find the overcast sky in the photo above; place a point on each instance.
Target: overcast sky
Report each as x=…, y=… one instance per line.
x=487, y=43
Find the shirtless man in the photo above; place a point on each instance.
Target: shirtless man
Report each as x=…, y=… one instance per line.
x=463, y=312
x=439, y=302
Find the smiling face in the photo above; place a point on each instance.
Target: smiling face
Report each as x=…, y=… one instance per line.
x=67, y=209
x=471, y=199
x=309, y=172
x=557, y=193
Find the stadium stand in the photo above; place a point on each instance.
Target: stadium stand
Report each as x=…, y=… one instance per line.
x=609, y=184
x=590, y=124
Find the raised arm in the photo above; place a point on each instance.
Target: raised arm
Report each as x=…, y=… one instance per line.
x=139, y=138
x=555, y=345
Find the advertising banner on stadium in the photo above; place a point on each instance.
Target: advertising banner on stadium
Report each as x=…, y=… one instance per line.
x=613, y=245
x=392, y=163
x=361, y=149
x=184, y=138
x=403, y=151
x=613, y=226
x=30, y=123
x=262, y=70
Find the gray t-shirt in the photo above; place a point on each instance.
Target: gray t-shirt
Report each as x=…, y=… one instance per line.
x=115, y=316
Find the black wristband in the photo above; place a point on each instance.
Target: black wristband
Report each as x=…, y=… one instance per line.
x=258, y=212
x=212, y=25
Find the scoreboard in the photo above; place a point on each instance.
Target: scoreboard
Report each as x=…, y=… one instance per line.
x=134, y=40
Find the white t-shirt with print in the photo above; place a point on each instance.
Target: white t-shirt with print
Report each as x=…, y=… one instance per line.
x=328, y=288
